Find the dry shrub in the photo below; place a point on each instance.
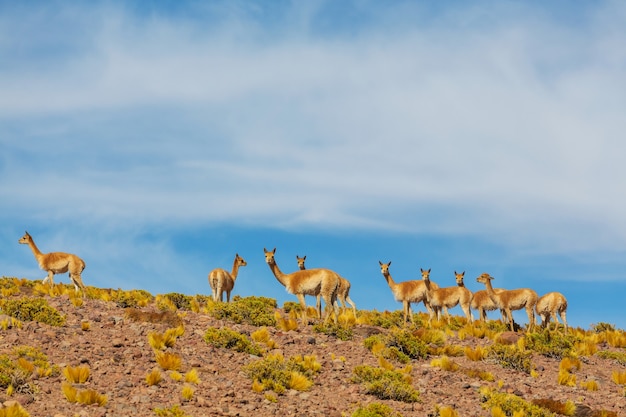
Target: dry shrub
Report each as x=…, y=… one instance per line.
x=168, y=317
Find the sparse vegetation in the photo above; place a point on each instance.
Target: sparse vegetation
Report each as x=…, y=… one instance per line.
x=168, y=361
x=32, y=309
x=86, y=396
x=231, y=339
x=173, y=411
x=340, y=331
x=403, y=345
x=552, y=344
x=375, y=410
x=275, y=374
x=619, y=357
x=511, y=404
x=257, y=311
x=510, y=357
x=76, y=375
x=386, y=384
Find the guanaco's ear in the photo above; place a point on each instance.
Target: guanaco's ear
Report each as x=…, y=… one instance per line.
x=274, y=251
x=304, y=257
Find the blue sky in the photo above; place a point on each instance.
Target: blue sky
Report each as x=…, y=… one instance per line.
x=157, y=141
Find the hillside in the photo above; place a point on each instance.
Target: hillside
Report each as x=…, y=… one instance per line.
x=114, y=337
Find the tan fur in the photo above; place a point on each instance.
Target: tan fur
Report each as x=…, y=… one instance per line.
x=447, y=297
x=308, y=282
x=220, y=280
x=406, y=292
x=482, y=303
x=551, y=304
x=343, y=291
x=57, y=263
x=509, y=300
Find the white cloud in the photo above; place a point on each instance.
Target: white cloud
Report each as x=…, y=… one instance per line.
x=508, y=126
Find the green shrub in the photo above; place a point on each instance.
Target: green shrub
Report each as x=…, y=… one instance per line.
x=510, y=357
x=18, y=369
x=551, y=344
x=340, y=331
x=32, y=309
x=375, y=410
x=173, y=411
x=619, y=357
x=602, y=327
x=386, y=384
x=510, y=403
x=289, y=306
x=181, y=301
x=257, y=311
x=400, y=345
x=274, y=373
x=231, y=339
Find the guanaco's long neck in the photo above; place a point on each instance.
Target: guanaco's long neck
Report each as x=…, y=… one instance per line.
x=278, y=273
x=235, y=269
x=429, y=290
x=34, y=248
x=392, y=284
x=490, y=292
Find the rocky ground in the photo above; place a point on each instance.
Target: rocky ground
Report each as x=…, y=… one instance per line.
x=116, y=350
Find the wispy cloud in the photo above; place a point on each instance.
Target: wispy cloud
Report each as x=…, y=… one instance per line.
x=486, y=120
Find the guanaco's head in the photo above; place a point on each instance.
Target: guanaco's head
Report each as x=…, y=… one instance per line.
x=301, y=261
x=239, y=260
x=384, y=268
x=25, y=239
x=484, y=278
x=269, y=256
x=459, y=278
x=425, y=274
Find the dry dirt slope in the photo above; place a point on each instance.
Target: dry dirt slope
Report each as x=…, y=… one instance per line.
x=116, y=350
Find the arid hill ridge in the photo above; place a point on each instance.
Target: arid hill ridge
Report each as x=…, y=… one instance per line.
x=121, y=339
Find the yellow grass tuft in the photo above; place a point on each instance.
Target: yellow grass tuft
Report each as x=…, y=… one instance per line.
x=176, y=376
x=89, y=397
x=497, y=412
x=76, y=375
x=477, y=354
x=26, y=365
x=192, y=377
x=168, y=361
x=445, y=363
x=385, y=364
x=187, y=392
x=448, y=411
x=85, y=325
x=567, y=379
x=299, y=382
x=619, y=377
x=570, y=364
x=13, y=409
x=154, y=377
x=616, y=338
x=69, y=391
x=346, y=317
x=257, y=386
x=590, y=385
x=585, y=348
x=286, y=324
